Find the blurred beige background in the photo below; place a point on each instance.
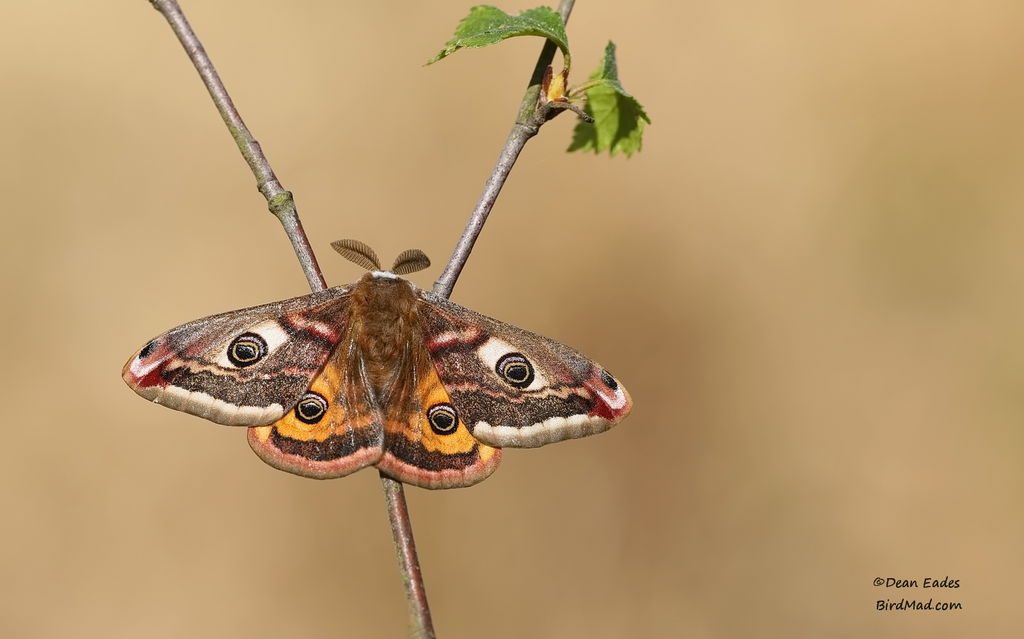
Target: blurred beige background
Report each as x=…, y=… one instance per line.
x=810, y=280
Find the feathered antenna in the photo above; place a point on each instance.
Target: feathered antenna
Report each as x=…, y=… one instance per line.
x=358, y=253
x=408, y=261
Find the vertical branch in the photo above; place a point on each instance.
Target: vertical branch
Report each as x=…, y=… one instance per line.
x=421, y=625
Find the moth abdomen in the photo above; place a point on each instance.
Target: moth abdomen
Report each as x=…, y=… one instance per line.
x=385, y=326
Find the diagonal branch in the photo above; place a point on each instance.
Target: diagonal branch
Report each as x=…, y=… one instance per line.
x=279, y=200
x=528, y=122
x=282, y=205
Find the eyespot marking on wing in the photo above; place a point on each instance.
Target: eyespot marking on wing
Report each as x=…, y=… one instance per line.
x=245, y=347
x=311, y=408
x=515, y=369
x=443, y=418
x=511, y=366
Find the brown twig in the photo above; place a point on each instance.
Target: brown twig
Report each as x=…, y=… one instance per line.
x=282, y=205
x=279, y=200
x=528, y=122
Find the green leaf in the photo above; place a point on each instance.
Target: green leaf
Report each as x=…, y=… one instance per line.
x=486, y=25
x=619, y=119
